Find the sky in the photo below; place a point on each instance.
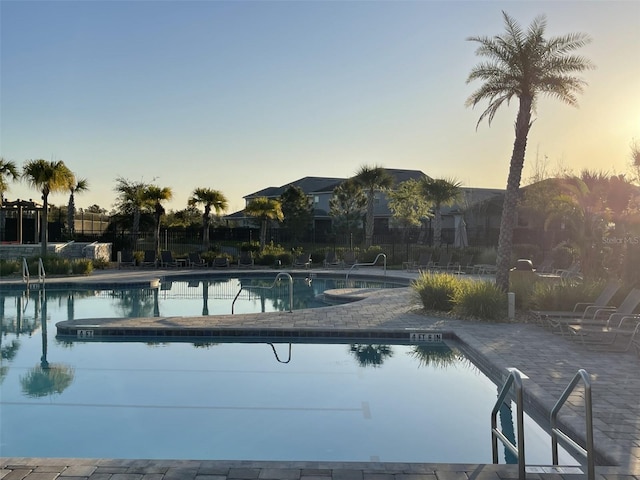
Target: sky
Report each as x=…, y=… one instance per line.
x=238, y=96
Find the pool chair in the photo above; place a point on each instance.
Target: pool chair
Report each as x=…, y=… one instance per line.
x=149, y=259
x=126, y=259
x=303, y=261
x=331, y=260
x=597, y=318
x=582, y=309
x=220, y=262
x=617, y=334
x=464, y=265
x=167, y=260
x=444, y=262
x=245, y=260
x=349, y=259
x=195, y=260
x=424, y=261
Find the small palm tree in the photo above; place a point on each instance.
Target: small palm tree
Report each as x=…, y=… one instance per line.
x=154, y=196
x=129, y=201
x=48, y=177
x=76, y=186
x=523, y=65
x=372, y=179
x=8, y=173
x=440, y=191
x=265, y=209
x=210, y=199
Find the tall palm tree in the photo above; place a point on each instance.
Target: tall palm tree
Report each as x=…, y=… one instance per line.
x=130, y=200
x=524, y=65
x=265, y=209
x=48, y=177
x=8, y=173
x=154, y=196
x=372, y=179
x=210, y=199
x=77, y=185
x=440, y=191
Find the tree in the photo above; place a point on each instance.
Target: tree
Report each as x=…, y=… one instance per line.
x=265, y=210
x=347, y=206
x=8, y=173
x=408, y=204
x=75, y=186
x=130, y=201
x=47, y=177
x=440, y=191
x=372, y=179
x=523, y=65
x=635, y=160
x=210, y=199
x=297, y=211
x=154, y=196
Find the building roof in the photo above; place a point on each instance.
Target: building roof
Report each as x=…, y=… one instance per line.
x=311, y=185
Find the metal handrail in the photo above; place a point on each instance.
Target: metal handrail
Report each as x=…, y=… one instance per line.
x=370, y=264
x=558, y=434
x=26, y=275
x=278, y=276
x=514, y=379
x=25, y=271
x=41, y=273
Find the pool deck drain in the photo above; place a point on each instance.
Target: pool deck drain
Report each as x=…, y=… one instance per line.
x=548, y=360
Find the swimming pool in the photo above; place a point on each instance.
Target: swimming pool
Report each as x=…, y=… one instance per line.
x=177, y=296
x=248, y=401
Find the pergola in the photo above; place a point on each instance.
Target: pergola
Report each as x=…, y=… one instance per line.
x=20, y=207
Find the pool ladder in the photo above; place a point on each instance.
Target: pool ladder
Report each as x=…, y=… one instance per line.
x=26, y=276
x=275, y=282
x=515, y=379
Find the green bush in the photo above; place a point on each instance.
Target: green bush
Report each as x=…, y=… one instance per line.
x=480, y=299
x=9, y=267
x=522, y=283
x=436, y=290
x=563, y=295
x=285, y=258
x=563, y=255
x=81, y=266
x=99, y=263
x=370, y=254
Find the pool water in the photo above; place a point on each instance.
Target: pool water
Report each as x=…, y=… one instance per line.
x=247, y=401
x=180, y=297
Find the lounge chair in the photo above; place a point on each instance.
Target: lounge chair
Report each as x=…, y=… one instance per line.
x=126, y=259
x=167, y=260
x=331, y=260
x=303, y=260
x=463, y=265
x=245, y=260
x=220, y=262
x=424, y=261
x=573, y=271
x=546, y=266
x=444, y=262
x=195, y=260
x=149, y=259
x=546, y=317
x=598, y=317
x=349, y=259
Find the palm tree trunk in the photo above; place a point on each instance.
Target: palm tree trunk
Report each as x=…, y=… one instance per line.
x=368, y=237
x=437, y=228
x=71, y=213
x=205, y=228
x=508, y=221
x=44, y=223
x=263, y=234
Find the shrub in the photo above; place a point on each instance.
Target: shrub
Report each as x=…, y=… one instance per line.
x=436, y=290
x=480, y=299
x=562, y=295
x=81, y=266
x=100, y=263
x=285, y=258
x=9, y=267
x=370, y=254
x=563, y=255
x=522, y=283
x=487, y=256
